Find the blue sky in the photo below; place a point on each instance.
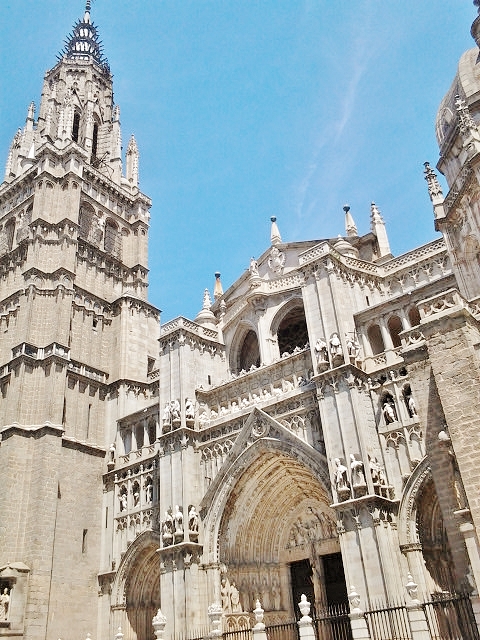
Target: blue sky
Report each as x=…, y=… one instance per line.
x=244, y=109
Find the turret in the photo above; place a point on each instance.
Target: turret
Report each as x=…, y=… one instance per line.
x=378, y=228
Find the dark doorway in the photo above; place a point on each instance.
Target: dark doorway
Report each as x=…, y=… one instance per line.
x=335, y=586
x=302, y=583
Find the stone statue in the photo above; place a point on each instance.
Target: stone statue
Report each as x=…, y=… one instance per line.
x=178, y=520
x=235, y=599
x=123, y=502
x=253, y=268
x=5, y=603
x=376, y=469
x=411, y=406
x=166, y=414
x=335, y=346
x=193, y=520
x=111, y=452
x=389, y=413
x=341, y=477
x=136, y=497
x=321, y=351
x=149, y=492
x=276, y=261
x=358, y=476
x=175, y=410
x=167, y=529
x=225, y=595
x=189, y=409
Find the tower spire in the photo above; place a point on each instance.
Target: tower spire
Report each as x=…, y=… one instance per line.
x=83, y=43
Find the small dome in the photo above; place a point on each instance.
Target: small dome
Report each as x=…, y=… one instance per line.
x=466, y=84
x=344, y=248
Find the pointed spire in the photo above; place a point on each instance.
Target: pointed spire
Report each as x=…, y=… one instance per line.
x=434, y=191
x=30, y=117
x=350, y=226
x=83, y=43
x=377, y=226
x=275, y=237
x=218, y=289
x=206, y=317
x=132, y=162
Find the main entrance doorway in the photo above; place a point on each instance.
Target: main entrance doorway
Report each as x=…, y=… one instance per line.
x=323, y=585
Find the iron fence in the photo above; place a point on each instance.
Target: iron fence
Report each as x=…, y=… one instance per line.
x=333, y=624
x=389, y=623
x=451, y=618
x=285, y=631
x=237, y=634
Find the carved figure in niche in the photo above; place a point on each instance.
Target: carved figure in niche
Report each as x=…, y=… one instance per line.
x=193, y=520
x=358, y=476
x=136, y=495
x=149, y=492
x=341, y=477
x=276, y=261
x=235, y=599
x=123, y=502
x=189, y=409
x=167, y=529
x=276, y=596
x=111, y=452
x=175, y=410
x=353, y=347
x=377, y=471
x=287, y=385
x=266, y=595
x=225, y=595
x=253, y=268
x=166, y=414
x=178, y=520
x=412, y=409
x=335, y=346
x=388, y=413
x=5, y=603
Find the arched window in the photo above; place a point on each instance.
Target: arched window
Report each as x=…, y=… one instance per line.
x=10, y=233
x=292, y=331
x=395, y=327
x=249, y=352
x=112, y=239
x=414, y=316
x=76, y=126
x=95, y=140
x=375, y=338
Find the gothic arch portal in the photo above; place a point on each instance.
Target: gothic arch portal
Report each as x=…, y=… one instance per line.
x=271, y=512
x=135, y=592
x=421, y=526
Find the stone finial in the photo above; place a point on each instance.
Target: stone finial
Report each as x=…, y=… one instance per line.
x=258, y=612
x=207, y=302
x=354, y=600
x=375, y=215
x=119, y=634
x=412, y=588
x=218, y=289
x=275, y=237
x=304, y=606
x=466, y=123
x=350, y=226
x=158, y=622
x=434, y=188
x=215, y=613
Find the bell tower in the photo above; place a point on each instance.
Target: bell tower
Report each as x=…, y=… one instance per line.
x=78, y=336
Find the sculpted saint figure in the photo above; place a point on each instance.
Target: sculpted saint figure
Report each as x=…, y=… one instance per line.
x=335, y=345
x=358, y=477
x=225, y=595
x=5, y=603
x=341, y=478
x=389, y=413
x=189, y=409
x=235, y=599
x=253, y=267
x=321, y=350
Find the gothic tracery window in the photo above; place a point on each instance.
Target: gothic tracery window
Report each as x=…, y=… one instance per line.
x=292, y=331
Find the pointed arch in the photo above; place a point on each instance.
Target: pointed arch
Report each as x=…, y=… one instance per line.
x=290, y=326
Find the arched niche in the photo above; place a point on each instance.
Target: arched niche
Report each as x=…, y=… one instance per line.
x=245, y=349
x=290, y=327
x=135, y=593
x=420, y=524
x=376, y=340
x=395, y=327
x=275, y=515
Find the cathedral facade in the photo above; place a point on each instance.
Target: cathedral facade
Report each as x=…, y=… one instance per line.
x=314, y=430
